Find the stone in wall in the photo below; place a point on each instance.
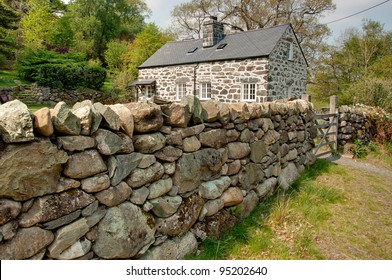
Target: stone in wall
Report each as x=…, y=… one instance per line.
x=23, y=177
x=113, y=196
x=16, y=122
x=9, y=210
x=146, y=117
x=123, y=232
x=64, y=121
x=140, y=177
x=149, y=143
x=79, y=165
x=109, y=118
x=176, y=115
x=43, y=122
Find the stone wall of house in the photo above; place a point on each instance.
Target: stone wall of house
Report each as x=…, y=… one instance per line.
x=286, y=78
x=226, y=78
x=138, y=180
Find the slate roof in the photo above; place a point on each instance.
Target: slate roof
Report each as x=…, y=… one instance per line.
x=241, y=45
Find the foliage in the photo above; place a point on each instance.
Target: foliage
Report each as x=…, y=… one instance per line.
x=252, y=14
x=145, y=44
x=95, y=23
x=359, y=70
x=359, y=149
x=52, y=69
x=114, y=55
x=7, y=23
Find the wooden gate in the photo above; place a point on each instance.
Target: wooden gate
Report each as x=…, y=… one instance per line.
x=327, y=127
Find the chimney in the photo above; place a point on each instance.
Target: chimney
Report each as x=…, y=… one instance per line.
x=212, y=32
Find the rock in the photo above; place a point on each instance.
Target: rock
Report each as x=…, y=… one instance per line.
x=23, y=177
x=9, y=210
x=96, y=184
x=288, y=175
x=139, y=177
x=258, y=150
x=96, y=217
x=186, y=216
x=174, y=139
x=78, y=249
x=126, y=145
x=170, y=168
x=239, y=110
x=213, y=206
x=254, y=110
x=79, y=165
x=224, y=113
x=26, y=243
x=8, y=231
x=193, y=168
x=271, y=137
x=273, y=170
x=175, y=249
x=146, y=161
x=214, y=226
x=195, y=107
x=169, y=154
x=120, y=166
x=108, y=143
x=147, y=117
x=43, y=122
x=247, y=205
x=310, y=158
x=126, y=118
x=238, y=150
x=113, y=196
x=232, y=135
x=191, y=131
x=232, y=196
x=191, y=144
x=64, y=121
x=160, y=188
x=123, y=232
x=267, y=187
x=214, y=189
x=215, y=138
x=64, y=220
x=51, y=207
x=165, y=206
x=234, y=167
x=75, y=143
x=85, y=115
x=210, y=110
x=90, y=209
x=109, y=118
x=251, y=175
x=176, y=115
x=66, y=236
x=292, y=155
x=247, y=136
x=16, y=123
x=139, y=196
x=149, y=143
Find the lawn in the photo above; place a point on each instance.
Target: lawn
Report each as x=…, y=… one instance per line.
x=8, y=78
x=331, y=212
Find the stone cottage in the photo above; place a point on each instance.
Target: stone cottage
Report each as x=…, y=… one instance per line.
x=251, y=66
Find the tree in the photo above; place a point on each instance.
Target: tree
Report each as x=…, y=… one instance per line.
x=96, y=22
x=7, y=23
x=304, y=16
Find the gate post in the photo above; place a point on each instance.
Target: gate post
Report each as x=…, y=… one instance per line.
x=333, y=109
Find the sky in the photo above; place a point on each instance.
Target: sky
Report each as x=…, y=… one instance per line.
x=161, y=10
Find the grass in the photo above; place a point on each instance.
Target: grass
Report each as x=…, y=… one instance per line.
x=331, y=212
x=8, y=78
x=36, y=107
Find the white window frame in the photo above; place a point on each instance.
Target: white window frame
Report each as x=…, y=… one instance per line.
x=205, y=91
x=287, y=92
x=148, y=91
x=248, y=92
x=180, y=91
x=290, y=55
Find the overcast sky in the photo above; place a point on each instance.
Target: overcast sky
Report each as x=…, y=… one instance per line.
x=161, y=10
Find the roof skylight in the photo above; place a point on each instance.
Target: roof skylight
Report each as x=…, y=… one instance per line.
x=192, y=50
x=221, y=46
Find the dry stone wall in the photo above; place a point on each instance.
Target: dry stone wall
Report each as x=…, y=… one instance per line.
x=138, y=180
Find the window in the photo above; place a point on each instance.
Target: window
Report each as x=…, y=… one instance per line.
x=192, y=50
x=181, y=91
x=287, y=92
x=205, y=91
x=290, y=54
x=221, y=46
x=148, y=91
x=248, y=92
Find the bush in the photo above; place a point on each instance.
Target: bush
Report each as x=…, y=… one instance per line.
x=51, y=69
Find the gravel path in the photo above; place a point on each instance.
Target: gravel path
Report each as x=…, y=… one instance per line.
x=370, y=168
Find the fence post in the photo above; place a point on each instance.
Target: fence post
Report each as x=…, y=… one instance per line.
x=333, y=109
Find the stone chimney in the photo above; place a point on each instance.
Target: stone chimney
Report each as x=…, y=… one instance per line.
x=212, y=32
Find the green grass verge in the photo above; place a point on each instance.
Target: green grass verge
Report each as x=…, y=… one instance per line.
x=8, y=78
x=36, y=107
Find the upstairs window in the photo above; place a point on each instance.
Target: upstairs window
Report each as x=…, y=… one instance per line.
x=192, y=50
x=248, y=92
x=205, y=91
x=290, y=52
x=181, y=91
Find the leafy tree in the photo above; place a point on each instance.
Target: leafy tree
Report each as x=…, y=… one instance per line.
x=252, y=14
x=145, y=44
x=114, y=55
x=96, y=22
x=7, y=23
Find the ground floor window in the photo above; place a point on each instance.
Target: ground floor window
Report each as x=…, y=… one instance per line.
x=248, y=92
x=181, y=91
x=148, y=91
x=205, y=91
